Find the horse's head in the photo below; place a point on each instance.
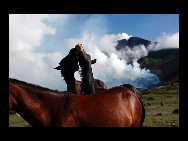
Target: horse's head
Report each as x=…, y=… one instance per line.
x=69, y=64
x=11, y=97
x=10, y=102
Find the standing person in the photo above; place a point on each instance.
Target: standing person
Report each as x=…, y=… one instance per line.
x=85, y=62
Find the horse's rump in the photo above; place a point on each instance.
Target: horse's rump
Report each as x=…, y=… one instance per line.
x=138, y=94
x=112, y=107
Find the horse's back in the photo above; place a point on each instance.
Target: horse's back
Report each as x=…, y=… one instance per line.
x=113, y=107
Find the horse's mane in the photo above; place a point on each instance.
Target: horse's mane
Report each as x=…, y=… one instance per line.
x=33, y=86
x=133, y=89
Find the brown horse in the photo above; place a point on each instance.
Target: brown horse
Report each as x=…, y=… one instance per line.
x=116, y=107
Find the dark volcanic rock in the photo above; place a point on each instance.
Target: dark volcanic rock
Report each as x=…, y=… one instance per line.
x=135, y=41
x=121, y=44
x=131, y=42
x=176, y=111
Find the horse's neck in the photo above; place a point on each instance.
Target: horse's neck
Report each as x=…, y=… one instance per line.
x=71, y=84
x=78, y=89
x=34, y=106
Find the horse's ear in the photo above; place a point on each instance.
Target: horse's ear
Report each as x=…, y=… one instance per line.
x=58, y=68
x=93, y=61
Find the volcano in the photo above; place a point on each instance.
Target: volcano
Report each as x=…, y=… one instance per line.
x=164, y=63
x=131, y=42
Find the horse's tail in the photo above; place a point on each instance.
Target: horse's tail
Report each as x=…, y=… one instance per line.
x=138, y=94
x=143, y=113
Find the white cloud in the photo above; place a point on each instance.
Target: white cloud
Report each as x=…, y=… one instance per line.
x=165, y=41
x=168, y=40
x=26, y=33
x=135, y=53
x=125, y=36
x=109, y=67
x=27, y=30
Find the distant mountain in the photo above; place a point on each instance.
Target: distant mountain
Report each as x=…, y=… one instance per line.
x=131, y=42
x=163, y=63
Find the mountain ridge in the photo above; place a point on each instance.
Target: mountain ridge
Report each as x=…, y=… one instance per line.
x=132, y=41
x=164, y=63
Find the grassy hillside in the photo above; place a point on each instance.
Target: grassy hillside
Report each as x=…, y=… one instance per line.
x=157, y=115
x=163, y=63
x=14, y=121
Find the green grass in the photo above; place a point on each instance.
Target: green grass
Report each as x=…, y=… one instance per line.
x=170, y=97
x=160, y=58
x=153, y=119
x=17, y=122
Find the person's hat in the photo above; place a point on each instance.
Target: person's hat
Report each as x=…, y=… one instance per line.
x=78, y=44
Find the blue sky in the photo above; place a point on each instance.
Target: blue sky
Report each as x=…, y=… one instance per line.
x=135, y=24
x=38, y=42
x=147, y=26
